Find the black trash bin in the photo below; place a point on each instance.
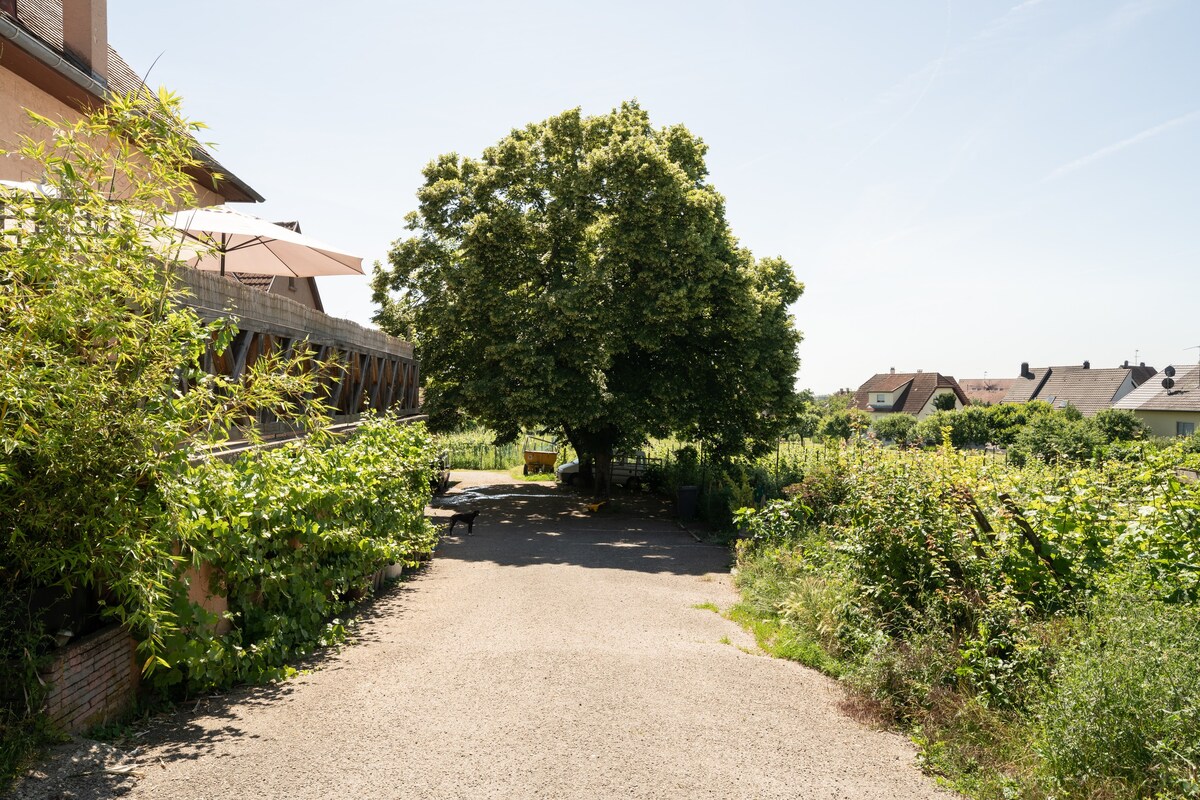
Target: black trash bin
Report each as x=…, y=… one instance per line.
x=687, y=498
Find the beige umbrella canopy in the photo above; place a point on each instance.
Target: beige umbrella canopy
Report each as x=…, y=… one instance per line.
x=219, y=239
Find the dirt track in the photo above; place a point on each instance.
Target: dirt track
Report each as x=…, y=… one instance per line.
x=551, y=654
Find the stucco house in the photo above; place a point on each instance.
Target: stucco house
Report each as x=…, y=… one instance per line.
x=1087, y=389
x=55, y=60
x=907, y=393
x=1168, y=412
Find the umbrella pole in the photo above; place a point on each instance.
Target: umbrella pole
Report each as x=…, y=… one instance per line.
x=223, y=243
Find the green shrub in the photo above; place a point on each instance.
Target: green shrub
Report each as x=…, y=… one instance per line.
x=896, y=428
x=968, y=427
x=1119, y=425
x=294, y=534
x=1060, y=436
x=94, y=338
x=844, y=424
x=1122, y=717
x=951, y=591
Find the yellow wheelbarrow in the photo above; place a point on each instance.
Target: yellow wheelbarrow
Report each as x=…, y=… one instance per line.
x=540, y=455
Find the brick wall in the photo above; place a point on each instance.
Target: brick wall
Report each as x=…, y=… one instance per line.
x=93, y=680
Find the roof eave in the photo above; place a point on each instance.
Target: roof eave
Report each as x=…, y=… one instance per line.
x=59, y=76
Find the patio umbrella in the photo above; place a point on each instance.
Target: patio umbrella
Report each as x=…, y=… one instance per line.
x=225, y=240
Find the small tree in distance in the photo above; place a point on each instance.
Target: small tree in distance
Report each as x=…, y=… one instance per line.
x=581, y=276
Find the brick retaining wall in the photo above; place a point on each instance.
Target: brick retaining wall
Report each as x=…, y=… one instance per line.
x=93, y=680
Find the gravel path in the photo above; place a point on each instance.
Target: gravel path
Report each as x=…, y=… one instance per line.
x=554, y=653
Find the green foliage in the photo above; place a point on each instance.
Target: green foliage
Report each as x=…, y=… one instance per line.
x=93, y=340
x=581, y=275
x=945, y=402
x=1122, y=718
x=898, y=428
x=991, y=608
x=294, y=535
x=1059, y=436
x=968, y=427
x=845, y=424
x=1120, y=425
x=1006, y=420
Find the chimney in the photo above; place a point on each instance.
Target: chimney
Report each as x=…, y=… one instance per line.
x=1087, y=365
x=1126, y=364
x=892, y=371
x=85, y=33
x=1025, y=373
x=1141, y=363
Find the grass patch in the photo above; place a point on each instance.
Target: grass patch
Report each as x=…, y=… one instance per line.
x=518, y=473
x=724, y=640
x=707, y=607
x=781, y=640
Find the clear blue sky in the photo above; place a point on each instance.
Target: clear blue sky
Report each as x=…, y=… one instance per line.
x=961, y=185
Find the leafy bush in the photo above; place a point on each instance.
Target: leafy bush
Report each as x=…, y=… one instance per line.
x=844, y=424
x=1119, y=425
x=93, y=340
x=1060, y=436
x=1006, y=420
x=1122, y=718
x=973, y=600
x=896, y=428
x=294, y=535
x=945, y=402
x=968, y=427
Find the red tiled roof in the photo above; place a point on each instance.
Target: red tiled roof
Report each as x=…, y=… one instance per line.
x=248, y=279
x=985, y=391
x=915, y=390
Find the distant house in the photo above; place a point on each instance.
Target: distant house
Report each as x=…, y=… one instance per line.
x=985, y=391
x=907, y=393
x=1168, y=412
x=1089, y=390
x=302, y=290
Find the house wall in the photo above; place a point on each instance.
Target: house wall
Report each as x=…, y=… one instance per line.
x=929, y=407
x=302, y=293
x=888, y=398
x=1125, y=388
x=17, y=94
x=1163, y=422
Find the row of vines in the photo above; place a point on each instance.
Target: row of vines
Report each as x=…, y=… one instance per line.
x=1036, y=628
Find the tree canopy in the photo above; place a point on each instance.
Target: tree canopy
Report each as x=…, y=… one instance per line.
x=581, y=275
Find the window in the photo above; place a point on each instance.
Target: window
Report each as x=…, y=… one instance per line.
x=1185, y=428
x=880, y=398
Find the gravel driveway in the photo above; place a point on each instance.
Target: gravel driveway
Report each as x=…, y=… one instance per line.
x=554, y=653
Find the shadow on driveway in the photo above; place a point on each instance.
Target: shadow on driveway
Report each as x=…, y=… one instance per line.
x=521, y=525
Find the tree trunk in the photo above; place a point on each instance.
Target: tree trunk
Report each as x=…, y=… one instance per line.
x=598, y=446
x=603, y=473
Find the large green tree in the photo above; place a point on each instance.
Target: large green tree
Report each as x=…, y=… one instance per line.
x=582, y=275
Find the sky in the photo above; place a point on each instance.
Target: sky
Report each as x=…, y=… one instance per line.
x=961, y=185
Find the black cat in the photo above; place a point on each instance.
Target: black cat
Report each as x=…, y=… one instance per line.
x=467, y=517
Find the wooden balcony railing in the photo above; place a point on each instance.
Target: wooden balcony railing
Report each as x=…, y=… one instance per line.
x=378, y=372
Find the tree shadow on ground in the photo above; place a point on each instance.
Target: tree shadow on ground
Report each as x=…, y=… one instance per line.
x=195, y=727
x=529, y=525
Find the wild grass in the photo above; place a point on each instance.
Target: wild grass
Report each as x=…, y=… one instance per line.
x=1036, y=630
